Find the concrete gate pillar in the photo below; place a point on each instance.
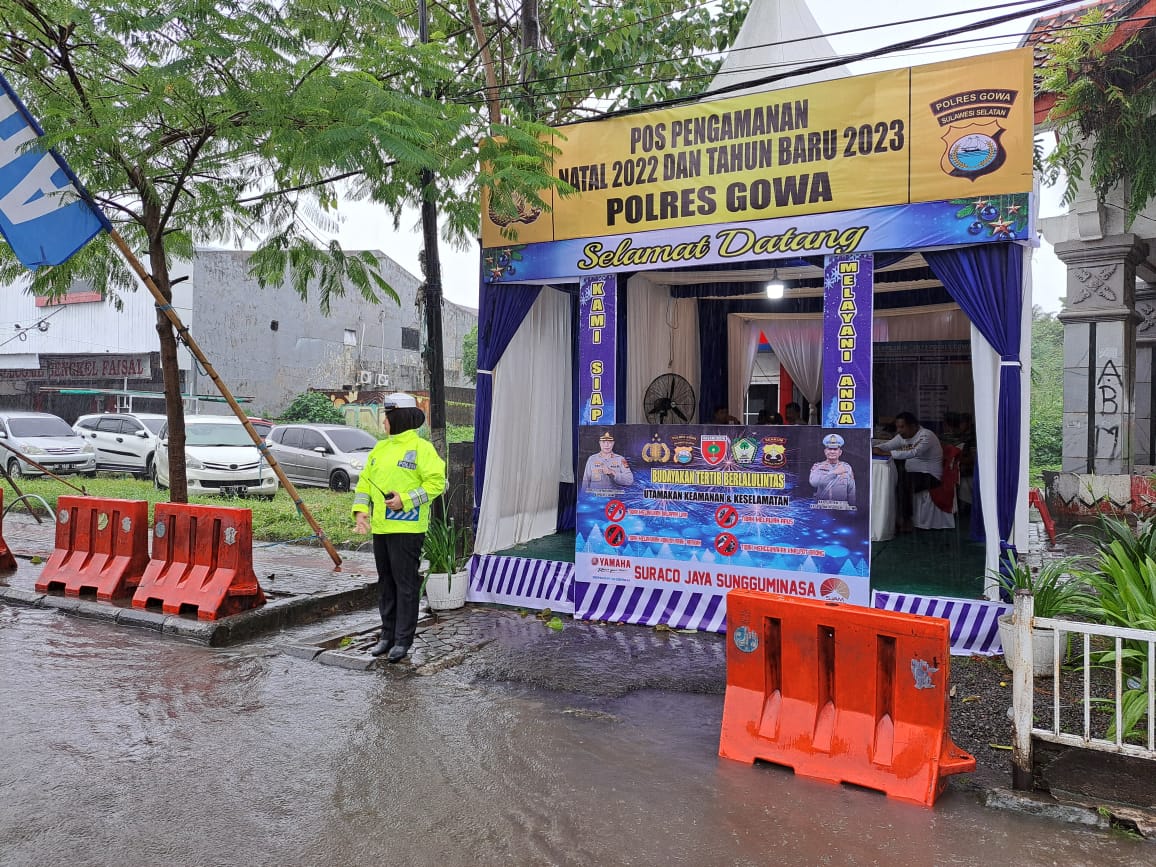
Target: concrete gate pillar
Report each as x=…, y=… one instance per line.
x=1100, y=321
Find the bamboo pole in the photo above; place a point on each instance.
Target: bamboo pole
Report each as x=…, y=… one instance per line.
x=165, y=307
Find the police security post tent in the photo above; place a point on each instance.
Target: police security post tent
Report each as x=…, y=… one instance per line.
x=651, y=267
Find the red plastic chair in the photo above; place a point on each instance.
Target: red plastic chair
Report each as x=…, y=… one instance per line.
x=944, y=495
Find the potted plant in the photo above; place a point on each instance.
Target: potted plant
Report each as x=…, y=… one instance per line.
x=1056, y=592
x=446, y=582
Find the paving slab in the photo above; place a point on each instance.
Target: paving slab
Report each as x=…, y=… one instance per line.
x=300, y=583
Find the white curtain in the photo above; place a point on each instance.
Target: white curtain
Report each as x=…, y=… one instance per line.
x=798, y=344
x=742, y=346
x=528, y=457
x=661, y=337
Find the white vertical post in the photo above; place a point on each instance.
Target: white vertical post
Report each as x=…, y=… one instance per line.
x=1021, y=662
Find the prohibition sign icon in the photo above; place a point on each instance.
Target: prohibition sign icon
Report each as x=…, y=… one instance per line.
x=615, y=510
x=726, y=544
x=726, y=516
x=615, y=535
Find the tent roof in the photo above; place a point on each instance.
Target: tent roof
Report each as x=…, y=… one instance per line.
x=776, y=35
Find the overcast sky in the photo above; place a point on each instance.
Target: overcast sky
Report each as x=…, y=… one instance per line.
x=365, y=227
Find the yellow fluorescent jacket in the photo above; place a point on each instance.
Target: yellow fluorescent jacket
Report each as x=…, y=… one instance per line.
x=409, y=466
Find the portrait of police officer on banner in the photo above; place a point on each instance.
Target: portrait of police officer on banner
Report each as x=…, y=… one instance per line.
x=606, y=472
x=833, y=478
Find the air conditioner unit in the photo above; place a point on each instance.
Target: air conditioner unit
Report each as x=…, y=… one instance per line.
x=365, y=377
x=382, y=381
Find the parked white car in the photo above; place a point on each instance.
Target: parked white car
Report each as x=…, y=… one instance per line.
x=46, y=439
x=220, y=458
x=124, y=442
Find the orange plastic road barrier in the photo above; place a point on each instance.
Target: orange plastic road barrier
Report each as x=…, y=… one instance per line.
x=7, y=561
x=101, y=546
x=1036, y=498
x=202, y=560
x=840, y=693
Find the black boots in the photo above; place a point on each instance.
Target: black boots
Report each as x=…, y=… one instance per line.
x=398, y=653
x=381, y=647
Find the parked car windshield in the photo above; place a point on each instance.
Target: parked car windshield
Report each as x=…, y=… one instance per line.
x=352, y=440
x=216, y=434
x=40, y=427
x=153, y=424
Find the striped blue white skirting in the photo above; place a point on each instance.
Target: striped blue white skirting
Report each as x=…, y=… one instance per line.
x=974, y=629
x=521, y=582
x=538, y=584
x=648, y=606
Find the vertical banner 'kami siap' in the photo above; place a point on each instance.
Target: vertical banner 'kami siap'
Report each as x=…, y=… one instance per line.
x=848, y=283
x=42, y=213
x=597, y=327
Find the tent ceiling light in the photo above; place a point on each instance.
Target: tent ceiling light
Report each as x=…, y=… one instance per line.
x=775, y=288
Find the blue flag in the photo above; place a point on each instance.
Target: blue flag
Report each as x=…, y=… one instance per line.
x=43, y=215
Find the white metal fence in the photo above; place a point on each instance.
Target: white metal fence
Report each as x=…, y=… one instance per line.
x=1020, y=658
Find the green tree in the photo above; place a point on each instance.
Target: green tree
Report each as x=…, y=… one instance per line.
x=470, y=354
x=1103, y=115
x=210, y=121
x=315, y=407
x=1047, y=405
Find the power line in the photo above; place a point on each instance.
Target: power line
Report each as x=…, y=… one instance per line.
x=895, y=49
x=799, y=39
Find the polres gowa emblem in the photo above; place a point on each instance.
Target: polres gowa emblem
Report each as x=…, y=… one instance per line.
x=972, y=141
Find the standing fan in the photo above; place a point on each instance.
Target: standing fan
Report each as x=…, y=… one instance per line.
x=669, y=400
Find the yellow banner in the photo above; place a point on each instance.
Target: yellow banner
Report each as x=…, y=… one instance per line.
x=949, y=130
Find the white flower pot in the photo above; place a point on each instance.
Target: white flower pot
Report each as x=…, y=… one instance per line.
x=445, y=594
x=1043, y=645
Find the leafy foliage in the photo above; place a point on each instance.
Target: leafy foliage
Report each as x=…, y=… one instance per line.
x=1056, y=586
x=1123, y=584
x=470, y=354
x=315, y=407
x=1047, y=408
x=212, y=121
x=1103, y=113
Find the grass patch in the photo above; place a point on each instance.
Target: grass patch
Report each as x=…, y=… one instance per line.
x=459, y=433
x=273, y=521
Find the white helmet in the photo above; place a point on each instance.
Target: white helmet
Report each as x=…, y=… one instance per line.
x=399, y=399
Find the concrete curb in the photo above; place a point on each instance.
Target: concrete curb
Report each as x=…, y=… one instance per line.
x=274, y=615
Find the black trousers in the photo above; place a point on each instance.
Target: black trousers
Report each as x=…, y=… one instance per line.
x=907, y=485
x=398, y=556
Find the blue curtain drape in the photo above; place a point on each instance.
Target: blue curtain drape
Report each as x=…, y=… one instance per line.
x=501, y=310
x=986, y=280
x=568, y=491
x=712, y=354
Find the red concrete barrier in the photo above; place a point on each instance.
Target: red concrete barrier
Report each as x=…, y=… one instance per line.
x=7, y=561
x=101, y=547
x=202, y=560
x=840, y=693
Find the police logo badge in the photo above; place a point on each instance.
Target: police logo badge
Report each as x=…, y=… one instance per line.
x=774, y=452
x=683, y=448
x=656, y=451
x=973, y=151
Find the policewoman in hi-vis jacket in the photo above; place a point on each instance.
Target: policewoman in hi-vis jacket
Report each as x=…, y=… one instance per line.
x=402, y=475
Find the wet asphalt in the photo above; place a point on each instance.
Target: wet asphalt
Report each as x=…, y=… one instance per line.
x=593, y=745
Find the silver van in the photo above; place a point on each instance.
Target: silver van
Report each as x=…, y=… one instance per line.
x=46, y=439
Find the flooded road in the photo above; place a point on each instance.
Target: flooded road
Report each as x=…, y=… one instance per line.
x=120, y=747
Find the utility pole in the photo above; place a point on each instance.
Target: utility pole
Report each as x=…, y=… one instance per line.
x=432, y=291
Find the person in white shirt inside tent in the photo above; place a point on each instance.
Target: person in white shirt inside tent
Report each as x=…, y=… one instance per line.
x=922, y=455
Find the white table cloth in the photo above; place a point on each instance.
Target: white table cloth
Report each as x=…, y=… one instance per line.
x=884, y=504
